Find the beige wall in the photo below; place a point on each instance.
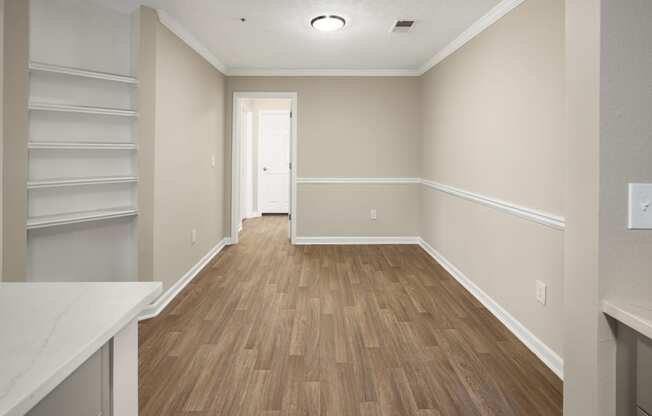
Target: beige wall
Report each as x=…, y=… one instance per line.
x=581, y=309
x=625, y=145
x=2, y=16
x=625, y=157
x=15, y=128
x=609, y=135
x=188, y=128
x=146, y=38
x=335, y=210
x=348, y=127
x=493, y=124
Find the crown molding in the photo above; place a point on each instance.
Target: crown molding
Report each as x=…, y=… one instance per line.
x=244, y=72
x=175, y=27
x=479, y=26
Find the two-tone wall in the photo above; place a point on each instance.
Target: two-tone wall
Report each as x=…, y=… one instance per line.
x=479, y=141
x=493, y=127
x=358, y=127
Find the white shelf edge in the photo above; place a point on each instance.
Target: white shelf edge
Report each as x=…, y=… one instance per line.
x=80, y=146
x=635, y=314
x=88, y=216
x=56, y=183
x=79, y=72
x=82, y=109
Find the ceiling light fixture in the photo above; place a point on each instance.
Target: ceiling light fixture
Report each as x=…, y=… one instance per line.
x=328, y=23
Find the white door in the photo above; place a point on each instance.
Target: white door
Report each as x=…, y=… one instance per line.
x=274, y=162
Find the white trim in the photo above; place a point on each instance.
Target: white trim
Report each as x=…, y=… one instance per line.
x=58, y=183
x=360, y=180
x=635, y=314
x=159, y=304
x=306, y=241
x=78, y=217
x=235, y=158
x=82, y=109
x=259, y=170
x=190, y=40
x=244, y=72
x=80, y=146
x=479, y=26
x=534, y=344
x=550, y=220
x=79, y=72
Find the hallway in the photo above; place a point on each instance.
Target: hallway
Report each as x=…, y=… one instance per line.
x=270, y=328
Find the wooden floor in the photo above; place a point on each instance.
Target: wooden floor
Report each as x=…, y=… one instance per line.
x=272, y=329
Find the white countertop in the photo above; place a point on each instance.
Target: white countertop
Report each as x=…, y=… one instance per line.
x=635, y=314
x=47, y=330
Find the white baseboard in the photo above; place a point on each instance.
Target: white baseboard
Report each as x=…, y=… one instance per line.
x=305, y=241
x=541, y=350
x=159, y=304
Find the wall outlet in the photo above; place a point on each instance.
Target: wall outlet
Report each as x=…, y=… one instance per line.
x=193, y=236
x=541, y=294
x=213, y=161
x=373, y=214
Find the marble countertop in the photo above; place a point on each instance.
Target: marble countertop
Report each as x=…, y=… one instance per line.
x=47, y=330
x=635, y=314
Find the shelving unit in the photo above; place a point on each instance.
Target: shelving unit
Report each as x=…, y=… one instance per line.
x=78, y=72
x=58, y=183
x=81, y=146
x=82, y=109
x=78, y=217
x=82, y=163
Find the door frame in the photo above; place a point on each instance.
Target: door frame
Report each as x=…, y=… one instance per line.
x=236, y=156
x=258, y=172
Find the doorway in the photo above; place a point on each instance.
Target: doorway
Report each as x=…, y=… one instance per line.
x=263, y=158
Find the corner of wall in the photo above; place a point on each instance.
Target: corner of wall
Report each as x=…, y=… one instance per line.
x=145, y=24
x=15, y=124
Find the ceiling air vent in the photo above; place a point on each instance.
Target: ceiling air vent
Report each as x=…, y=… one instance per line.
x=403, y=26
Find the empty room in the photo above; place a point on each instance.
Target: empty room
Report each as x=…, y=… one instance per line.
x=325, y=207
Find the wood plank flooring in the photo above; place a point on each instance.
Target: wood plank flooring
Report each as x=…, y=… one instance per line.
x=271, y=329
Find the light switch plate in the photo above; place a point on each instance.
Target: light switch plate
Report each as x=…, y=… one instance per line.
x=373, y=215
x=640, y=206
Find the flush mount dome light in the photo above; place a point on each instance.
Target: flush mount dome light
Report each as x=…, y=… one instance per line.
x=328, y=23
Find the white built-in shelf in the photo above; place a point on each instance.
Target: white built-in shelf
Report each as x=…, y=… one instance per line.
x=80, y=146
x=82, y=109
x=58, y=183
x=78, y=72
x=635, y=314
x=78, y=217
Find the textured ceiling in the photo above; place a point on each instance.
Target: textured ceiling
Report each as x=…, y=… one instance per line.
x=277, y=33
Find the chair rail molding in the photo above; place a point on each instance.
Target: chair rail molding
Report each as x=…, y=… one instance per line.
x=360, y=180
x=550, y=220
